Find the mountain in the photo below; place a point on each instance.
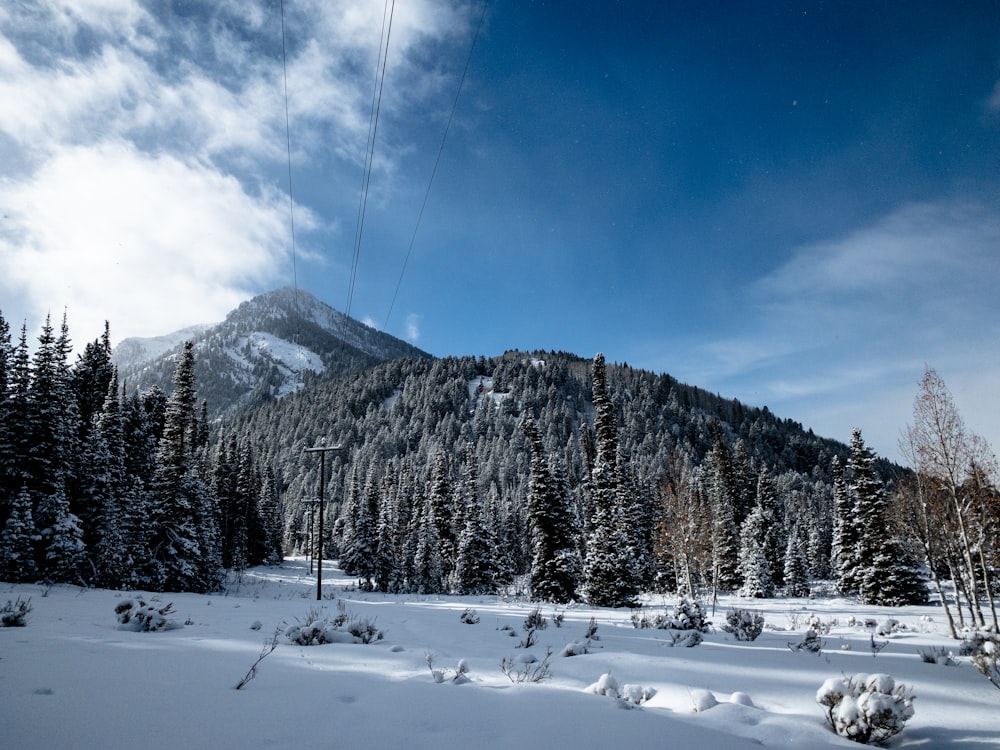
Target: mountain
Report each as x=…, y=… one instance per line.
x=267, y=347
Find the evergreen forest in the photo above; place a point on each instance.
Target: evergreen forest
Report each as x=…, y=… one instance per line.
x=537, y=474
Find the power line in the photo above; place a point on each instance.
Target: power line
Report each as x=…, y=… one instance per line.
x=437, y=161
x=288, y=144
x=370, y=147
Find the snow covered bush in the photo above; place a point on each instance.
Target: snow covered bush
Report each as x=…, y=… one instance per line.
x=744, y=624
x=702, y=700
x=458, y=675
x=686, y=638
x=316, y=630
x=887, y=627
x=363, y=629
x=628, y=696
x=810, y=642
x=690, y=615
x=576, y=648
x=137, y=615
x=469, y=616
x=866, y=708
x=311, y=632
x=15, y=614
x=936, y=655
x=987, y=660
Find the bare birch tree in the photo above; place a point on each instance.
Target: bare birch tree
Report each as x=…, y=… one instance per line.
x=951, y=466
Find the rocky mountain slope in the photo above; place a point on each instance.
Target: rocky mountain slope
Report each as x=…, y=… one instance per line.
x=269, y=346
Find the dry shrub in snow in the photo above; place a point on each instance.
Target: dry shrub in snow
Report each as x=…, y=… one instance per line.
x=15, y=614
x=526, y=668
x=866, y=708
x=135, y=614
x=458, y=675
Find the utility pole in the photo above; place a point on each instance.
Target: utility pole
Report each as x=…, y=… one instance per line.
x=310, y=541
x=322, y=450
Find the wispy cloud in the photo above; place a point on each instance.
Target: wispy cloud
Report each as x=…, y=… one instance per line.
x=839, y=334
x=413, y=328
x=138, y=148
x=993, y=103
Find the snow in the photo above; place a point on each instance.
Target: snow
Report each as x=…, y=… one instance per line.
x=72, y=678
x=481, y=388
x=290, y=358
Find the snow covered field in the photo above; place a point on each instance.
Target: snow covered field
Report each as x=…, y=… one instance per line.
x=73, y=679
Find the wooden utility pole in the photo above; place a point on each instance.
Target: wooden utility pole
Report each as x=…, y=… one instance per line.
x=322, y=450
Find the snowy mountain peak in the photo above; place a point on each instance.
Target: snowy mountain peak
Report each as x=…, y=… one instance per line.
x=267, y=347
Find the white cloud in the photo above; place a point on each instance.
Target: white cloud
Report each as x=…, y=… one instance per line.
x=150, y=243
x=137, y=145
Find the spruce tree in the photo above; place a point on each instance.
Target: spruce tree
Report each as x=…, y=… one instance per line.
x=387, y=573
x=179, y=500
x=51, y=420
x=62, y=540
x=17, y=556
x=774, y=537
x=555, y=563
x=9, y=479
x=885, y=573
x=754, y=567
x=610, y=576
x=440, y=496
x=796, y=568
x=106, y=492
x=845, y=533
x=722, y=493
x=269, y=513
x=428, y=572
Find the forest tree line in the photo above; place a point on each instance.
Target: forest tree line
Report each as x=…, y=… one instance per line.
x=121, y=490
x=558, y=477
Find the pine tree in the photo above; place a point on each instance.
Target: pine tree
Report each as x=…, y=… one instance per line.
x=869, y=510
x=885, y=573
x=610, y=578
x=106, y=493
x=474, y=562
x=428, y=573
x=796, y=568
x=387, y=575
x=555, y=564
x=62, y=540
x=269, y=513
x=439, y=494
x=754, y=566
x=845, y=533
x=9, y=479
x=723, y=497
x=180, y=503
x=774, y=537
x=51, y=419
x=17, y=555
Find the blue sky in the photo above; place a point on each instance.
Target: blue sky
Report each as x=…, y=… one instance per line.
x=795, y=204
